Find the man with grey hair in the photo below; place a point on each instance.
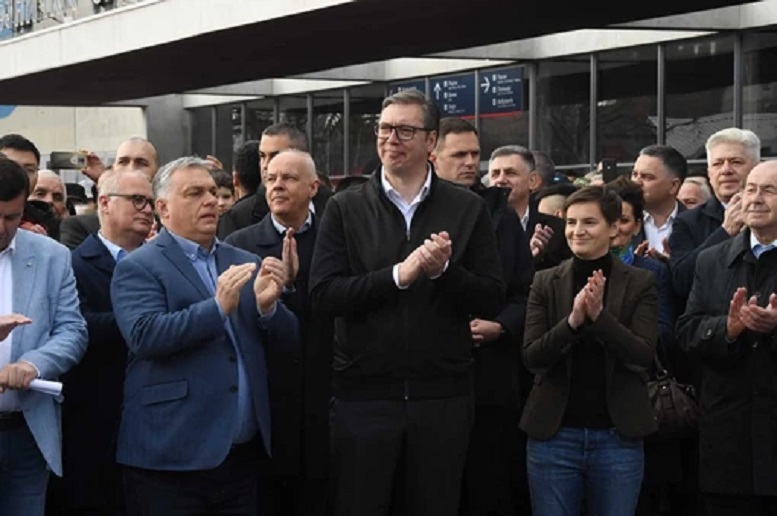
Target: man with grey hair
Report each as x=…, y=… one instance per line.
x=404, y=261
x=731, y=155
x=295, y=480
x=50, y=188
x=90, y=416
x=513, y=167
x=694, y=191
x=197, y=315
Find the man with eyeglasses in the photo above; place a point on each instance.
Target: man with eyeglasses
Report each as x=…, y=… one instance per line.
x=92, y=407
x=405, y=261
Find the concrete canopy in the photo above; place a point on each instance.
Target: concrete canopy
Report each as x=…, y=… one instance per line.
x=299, y=37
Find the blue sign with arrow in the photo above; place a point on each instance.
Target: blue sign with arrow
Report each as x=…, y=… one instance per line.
x=455, y=94
x=501, y=91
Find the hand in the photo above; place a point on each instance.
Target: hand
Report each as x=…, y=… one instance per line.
x=539, y=240
x=733, y=220
x=229, y=284
x=642, y=249
x=658, y=255
x=94, y=166
x=435, y=253
x=484, y=331
x=594, y=295
x=268, y=285
x=290, y=257
x=410, y=269
x=577, y=316
x=760, y=320
x=35, y=228
x=17, y=376
x=153, y=232
x=734, y=323
x=9, y=322
x=214, y=162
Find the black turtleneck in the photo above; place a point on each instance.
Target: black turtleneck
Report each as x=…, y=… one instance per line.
x=587, y=404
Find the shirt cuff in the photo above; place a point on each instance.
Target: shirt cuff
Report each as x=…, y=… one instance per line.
x=445, y=268
x=269, y=314
x=37, y=371
x=395, y=275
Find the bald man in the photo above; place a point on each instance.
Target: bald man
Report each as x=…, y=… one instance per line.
x=133, y=154
x=294, y=482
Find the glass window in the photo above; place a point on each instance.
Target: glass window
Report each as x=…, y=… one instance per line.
x=759, y=99
x=508, y=126
x=259, y=116
x=699, y=92
x=294, y=110
x=365, y=112
x=228, y=133
x=202, y=130
x=563, y=108
x=328, y=139
x=627, y=106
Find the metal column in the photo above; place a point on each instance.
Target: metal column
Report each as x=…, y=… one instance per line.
x=593, y=136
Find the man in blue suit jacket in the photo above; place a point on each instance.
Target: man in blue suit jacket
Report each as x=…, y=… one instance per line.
x=42, y=335
x=196, y=408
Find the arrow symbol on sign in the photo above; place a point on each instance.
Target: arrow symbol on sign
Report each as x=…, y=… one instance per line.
x=437, y=90
x=485, y=84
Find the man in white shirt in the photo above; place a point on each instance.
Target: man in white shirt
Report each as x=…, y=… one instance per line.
x=660, y=170
x=42, y=335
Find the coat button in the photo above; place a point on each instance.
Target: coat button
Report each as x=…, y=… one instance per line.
x=233, y=388
x=232, y=358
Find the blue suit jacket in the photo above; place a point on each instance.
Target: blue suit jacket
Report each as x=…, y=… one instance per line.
x=44, y=290
x=180, y=390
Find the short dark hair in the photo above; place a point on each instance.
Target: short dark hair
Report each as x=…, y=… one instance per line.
x=13, y=180
x=297, y=138
x=454, y=125
x=629, y=192
x=563, y=189
x=513, y=150
x=608, y=201
x=544, y=167
x=415, y=98
x=247, y=166
x=674, y=162
x=19, y=143
x=222, y=179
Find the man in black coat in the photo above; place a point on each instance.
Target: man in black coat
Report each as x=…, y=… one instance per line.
x=512, y=166
x=494, y=477
x=294, y=481
x=93, y=389
x=731, y=325
x=253, y=208
x=731, y=154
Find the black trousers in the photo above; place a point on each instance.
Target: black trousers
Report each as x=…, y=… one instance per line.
x=292, y=496
x=495, y=481
x=739, y=505
x=400, y=457
x=229, y=489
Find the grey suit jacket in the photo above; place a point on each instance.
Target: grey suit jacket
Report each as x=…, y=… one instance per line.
x=44, y=289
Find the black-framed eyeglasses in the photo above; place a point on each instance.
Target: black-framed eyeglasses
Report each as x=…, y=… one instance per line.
x=138, y=201
x=404, y=132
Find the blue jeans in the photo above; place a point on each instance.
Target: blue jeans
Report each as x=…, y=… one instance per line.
x=24, y=474
x=598, y=465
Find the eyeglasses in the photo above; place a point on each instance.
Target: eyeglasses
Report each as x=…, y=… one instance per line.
x=138, y=201
x=404, y=132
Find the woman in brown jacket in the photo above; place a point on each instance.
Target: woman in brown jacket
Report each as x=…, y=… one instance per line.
x=590, y=335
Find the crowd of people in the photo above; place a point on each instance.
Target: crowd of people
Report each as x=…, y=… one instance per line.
x=420, y=341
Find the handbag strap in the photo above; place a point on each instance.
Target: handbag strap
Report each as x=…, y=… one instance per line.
x=661, y=371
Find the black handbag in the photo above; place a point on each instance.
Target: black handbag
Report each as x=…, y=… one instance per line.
x=677, y=412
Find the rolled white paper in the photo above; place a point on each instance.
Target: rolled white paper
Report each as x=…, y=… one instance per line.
x=46, y=387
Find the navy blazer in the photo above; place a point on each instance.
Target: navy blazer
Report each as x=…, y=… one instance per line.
x=666, y=305
x=91, y=409
x=180, y=391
